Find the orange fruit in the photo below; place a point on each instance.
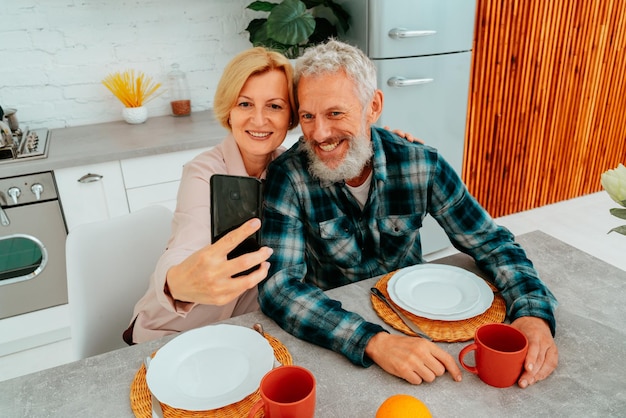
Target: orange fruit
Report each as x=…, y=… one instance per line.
x=403, y=406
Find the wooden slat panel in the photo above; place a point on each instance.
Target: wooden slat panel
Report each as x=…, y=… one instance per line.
x=547, y=103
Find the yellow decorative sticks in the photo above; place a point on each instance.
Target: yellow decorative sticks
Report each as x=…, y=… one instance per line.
x=131, y=90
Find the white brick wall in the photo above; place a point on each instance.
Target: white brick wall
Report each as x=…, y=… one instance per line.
x=55, y=53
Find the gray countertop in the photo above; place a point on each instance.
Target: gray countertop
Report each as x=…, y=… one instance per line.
x=589, y=382
x=91, y=144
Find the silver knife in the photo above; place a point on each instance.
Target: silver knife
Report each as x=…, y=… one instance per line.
x=412, y=325
x=157, y=411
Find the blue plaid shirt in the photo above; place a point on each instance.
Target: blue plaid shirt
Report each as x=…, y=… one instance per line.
x=322, y=239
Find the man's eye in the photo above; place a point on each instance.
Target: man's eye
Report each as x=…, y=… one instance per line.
x=335, y=114
x=306, y=116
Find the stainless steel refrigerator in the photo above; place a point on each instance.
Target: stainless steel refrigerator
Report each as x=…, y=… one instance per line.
x=422, y=51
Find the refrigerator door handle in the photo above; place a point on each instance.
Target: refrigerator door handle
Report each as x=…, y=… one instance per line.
x=406, y=82
x=399, y=33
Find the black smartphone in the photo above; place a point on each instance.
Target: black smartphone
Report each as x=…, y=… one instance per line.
x=235, y=200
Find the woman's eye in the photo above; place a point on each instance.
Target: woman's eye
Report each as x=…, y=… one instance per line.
x=244, y=104
x=276, y=106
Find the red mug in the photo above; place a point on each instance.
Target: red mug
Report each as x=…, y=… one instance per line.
x=286, y=392
x=500, y=350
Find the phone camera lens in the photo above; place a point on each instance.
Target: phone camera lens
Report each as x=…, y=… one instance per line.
x=234, y=195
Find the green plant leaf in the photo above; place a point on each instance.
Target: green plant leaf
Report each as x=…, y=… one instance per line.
x=323, y=30
x=313, y=3
x=620, y=213
x=343, y=17
x=260, y=38
x=257, y=30
x=619, y=229
x=261, y=6
x=290, y=23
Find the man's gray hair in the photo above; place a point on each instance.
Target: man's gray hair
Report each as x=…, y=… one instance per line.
x=335, y=56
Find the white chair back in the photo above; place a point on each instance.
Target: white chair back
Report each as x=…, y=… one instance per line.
x=109, y=264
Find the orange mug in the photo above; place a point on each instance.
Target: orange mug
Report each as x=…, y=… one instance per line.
x=286, y=392
x=500, y=353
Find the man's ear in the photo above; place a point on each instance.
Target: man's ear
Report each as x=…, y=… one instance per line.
x=375, y=107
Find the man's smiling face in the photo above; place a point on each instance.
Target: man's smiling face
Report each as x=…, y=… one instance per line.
x=335, y=126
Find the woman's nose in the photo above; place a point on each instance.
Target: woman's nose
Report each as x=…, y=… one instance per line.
x=259, y=116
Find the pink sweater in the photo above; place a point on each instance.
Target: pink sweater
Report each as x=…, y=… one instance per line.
x=158, y=314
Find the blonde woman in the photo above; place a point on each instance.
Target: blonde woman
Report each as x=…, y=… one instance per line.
x=192, y=284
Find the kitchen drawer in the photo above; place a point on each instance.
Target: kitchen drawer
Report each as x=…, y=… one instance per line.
x=434, y=111
x=155, y=169
x=444, y=26
x=158, y=194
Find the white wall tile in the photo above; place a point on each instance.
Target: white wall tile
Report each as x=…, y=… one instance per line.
x=55, y=53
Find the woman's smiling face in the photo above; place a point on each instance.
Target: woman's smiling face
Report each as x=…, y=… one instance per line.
x=260, y=118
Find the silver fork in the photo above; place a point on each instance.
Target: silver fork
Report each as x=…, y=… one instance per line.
x=157, y=411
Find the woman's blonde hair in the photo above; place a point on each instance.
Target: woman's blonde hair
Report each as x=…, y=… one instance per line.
x=250, y=62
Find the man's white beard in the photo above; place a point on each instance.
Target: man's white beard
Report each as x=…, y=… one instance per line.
x=359, y=153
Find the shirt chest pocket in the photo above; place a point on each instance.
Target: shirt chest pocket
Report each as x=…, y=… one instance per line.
x=399, y=236
x=399, y=225
x=337, y=238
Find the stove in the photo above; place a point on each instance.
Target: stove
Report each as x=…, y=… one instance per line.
x=30, y=144
x=32, y=245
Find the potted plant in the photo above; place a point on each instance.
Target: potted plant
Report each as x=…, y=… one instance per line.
x=134, y=91
x=294, y=25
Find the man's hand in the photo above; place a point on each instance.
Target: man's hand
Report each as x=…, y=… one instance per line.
x=543, y=355
x=414, y=359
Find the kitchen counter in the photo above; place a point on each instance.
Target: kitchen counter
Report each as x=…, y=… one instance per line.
x=589, y=381
x=103, y=142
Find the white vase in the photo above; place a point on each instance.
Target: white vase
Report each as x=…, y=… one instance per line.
x=135, y=115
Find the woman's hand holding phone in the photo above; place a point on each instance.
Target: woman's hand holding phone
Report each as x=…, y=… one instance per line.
x=206, y=276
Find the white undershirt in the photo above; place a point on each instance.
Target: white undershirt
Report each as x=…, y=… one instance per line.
x=361, y=192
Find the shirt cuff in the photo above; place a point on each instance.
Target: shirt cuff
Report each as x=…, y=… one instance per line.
x=180, y=307
x=358, y=356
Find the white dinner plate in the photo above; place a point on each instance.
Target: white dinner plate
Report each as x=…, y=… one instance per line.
x=437, y=291
x=209, y=367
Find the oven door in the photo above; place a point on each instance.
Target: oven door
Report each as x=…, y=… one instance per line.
x=32, y=259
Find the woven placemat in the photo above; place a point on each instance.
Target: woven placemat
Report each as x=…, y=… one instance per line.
x=444, y=331
x=140, y=398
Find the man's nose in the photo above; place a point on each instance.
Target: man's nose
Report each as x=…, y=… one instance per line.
x=321, y=130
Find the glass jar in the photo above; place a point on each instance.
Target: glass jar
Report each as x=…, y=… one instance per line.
x=179, y=92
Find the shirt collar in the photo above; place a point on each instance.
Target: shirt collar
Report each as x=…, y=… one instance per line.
x=379, y=160
x=234, y=161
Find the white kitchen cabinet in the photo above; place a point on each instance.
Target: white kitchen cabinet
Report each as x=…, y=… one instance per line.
x=154, y=180
x=91, y=193
x=102, y=191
